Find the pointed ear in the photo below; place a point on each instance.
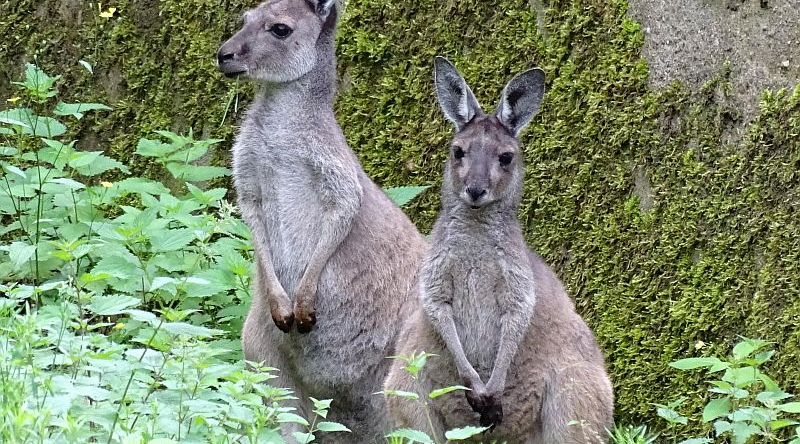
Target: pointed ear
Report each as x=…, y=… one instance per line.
x=520, y=100
x=456, y=99
x=322, y=7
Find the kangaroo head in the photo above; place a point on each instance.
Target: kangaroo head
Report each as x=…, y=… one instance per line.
x=485, y=163
x=278, y=41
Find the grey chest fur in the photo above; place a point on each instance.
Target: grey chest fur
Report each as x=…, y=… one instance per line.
x=291, y=208
x=480, y=292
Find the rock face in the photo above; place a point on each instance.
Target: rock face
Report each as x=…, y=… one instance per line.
x=689, y=40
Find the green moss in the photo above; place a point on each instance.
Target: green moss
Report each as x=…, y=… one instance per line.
x=665, y=227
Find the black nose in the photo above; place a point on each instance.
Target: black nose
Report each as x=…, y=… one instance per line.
x=225, y=56
x=475, y=193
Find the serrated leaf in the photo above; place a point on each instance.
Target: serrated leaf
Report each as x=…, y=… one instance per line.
x=693, y=363
x=743, y=350
x=742, y=432
x=20, y=253
x=781, y=423
x=141, y=185
x=741, y=377
x=15, y=170
x=401, y=393
x=77, y=110
x=143, y=316
x=403, y=195
x=69, y=183
x=769, y=383
x=716, y=408
x=671, y=415
x=196, y=173
x=172, y=240
x=99, y=164
x=118, y=266
x=326, y=426
x=39, y=126
x=161, y=281
x=321, y=404
x=721, y=427
x=767, y=396
x=464, y=433
x=411, y=435
x=8, y=151
x=112, y=305
x=10, y=121
x=439, y=392
x=303, y=438
x=153, y=148
x=291, y=417
x=182, y=328
x=790, y=407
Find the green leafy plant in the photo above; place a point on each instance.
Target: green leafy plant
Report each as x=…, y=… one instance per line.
x=69, y=376
x=320, y=410
x=632, y=435
x=746, y=405
x=414, y=364
x=134, y=236
x=403, y=195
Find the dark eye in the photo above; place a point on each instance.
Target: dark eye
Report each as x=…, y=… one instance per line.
x=458, y=153
x=280, y=30
x=506, y=158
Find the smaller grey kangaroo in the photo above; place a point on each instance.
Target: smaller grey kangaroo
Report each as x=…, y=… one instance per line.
x=495, y=314
x=335, y=258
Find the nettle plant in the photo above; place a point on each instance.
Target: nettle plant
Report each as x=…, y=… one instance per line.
x=122, y=300
x=415, y=363
x=63, y=222
x=747, y=406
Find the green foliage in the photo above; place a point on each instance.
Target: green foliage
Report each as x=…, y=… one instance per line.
x=667, y=224
x=414, y=364
x=403, y=195
x=320, y=410
x=632, y=435
x=66, y=224
x=747, y=406
x=71, y=376
x=115, y=294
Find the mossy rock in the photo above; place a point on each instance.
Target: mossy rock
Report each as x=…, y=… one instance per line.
x=665, y=230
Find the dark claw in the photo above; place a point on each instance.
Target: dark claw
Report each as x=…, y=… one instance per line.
x=306, y=325
x=489, y=407
x=284, y=325
x=477, y=402
x=492, y=415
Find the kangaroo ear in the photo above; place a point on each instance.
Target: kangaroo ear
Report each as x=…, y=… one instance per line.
x=322, y=7
x=456, y=99
x=520, y=100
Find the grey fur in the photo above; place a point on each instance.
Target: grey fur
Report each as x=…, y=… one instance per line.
x=333, y=254
x=495, y=314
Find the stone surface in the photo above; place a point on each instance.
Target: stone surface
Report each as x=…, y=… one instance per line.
x=689, y=40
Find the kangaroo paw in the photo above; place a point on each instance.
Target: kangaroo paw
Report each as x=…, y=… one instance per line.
x=306, y=319
x=283, y=322
x=492, y=414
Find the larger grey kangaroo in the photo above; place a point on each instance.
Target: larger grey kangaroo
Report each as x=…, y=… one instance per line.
x=334, y=256
x=495, y=314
